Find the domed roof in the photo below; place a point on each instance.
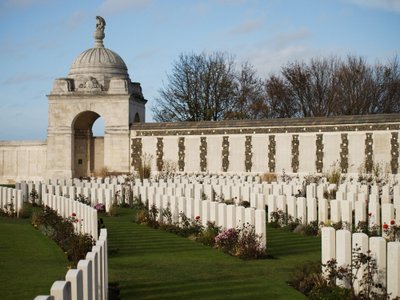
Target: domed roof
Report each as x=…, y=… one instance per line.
x=99, y=62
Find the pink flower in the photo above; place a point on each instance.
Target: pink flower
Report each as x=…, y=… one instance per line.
x=392, y=222
x=74, y=214
x=369, y=214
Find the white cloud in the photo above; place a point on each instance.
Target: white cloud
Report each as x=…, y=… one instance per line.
x=248, y=26
x=270, y=55
x=389, y=5
x=116, y=6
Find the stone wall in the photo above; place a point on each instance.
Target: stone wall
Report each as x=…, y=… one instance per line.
x=309, y=145
x=22, y=160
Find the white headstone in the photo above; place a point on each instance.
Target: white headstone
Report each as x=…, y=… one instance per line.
x=291, y=206
x=343, y=252
x=377, y=246
x=336, y=213
x=360, y=241
x=347, y=213
x=61, y=290
x=312, y=213
x=231, y=216
x=323, y=210
x=75, y=278
x=328, y=245
x=260, y=225
x=222, y=215
x=302, y=209
x=240, y=216
x=393, y=269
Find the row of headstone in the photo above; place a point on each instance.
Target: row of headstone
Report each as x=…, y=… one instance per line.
x=11, y=201
x=89, y=281
x=85, y=216
x=323, y=211
x=341, y=244
x=223, y=215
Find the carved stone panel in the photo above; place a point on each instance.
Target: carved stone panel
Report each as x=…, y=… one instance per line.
x=394, y=161
x=181, y=154
x=203, y=154
x=319, y=163
x=344, y=153
x=369, y=163
x=225, y=153
x=248, y=154
x=271, y=153
x=160, y=154
x=295, y=153
x=136, y=153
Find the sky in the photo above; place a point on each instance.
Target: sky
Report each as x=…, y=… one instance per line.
x=39, y=40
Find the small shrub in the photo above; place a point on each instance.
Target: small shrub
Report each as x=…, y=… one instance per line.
x=311, y=229
x=61, y=230
x=250, y=244
x=26, y=211
x=305, y=276
x=207, y=236
x=227, y=240
x=81, y=198
x=392, y=231
x=279, y=218
x=113, y=210
x=269, y=177
x=33, y=196
x=243, y=243
x=77, y=246
x=230, y=201
x=167, y=215
x=244, y=203
x=141, y=217
x=189, y=227
x=335, y=174
x=100, y=207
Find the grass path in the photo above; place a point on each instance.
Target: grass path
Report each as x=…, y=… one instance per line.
x=29, y=261
x=152, y=264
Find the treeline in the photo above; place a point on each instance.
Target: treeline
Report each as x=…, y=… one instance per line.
x=213, y=87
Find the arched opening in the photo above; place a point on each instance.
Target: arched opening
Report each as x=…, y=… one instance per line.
x=137, y=118
x=88, y=141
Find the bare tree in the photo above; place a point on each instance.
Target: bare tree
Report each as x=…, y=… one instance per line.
x=200, y=87
x=304, y=89
x=388, y=86
x=331, y=86
x=249, y=100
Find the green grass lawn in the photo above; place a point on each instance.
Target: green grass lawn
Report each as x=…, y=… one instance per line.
x=29, y=261
x=153, y=264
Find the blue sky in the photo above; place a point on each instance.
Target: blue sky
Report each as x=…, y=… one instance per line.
x=39, y=40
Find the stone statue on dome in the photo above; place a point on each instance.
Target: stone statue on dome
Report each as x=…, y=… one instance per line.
x=99, y=33
x=101, y=24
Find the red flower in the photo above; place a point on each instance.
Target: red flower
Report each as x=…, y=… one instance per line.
x=392, y=222
x=197, y=217
x=76, y=221
x=369, y=214
x=385, y=226
x=74, y=214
